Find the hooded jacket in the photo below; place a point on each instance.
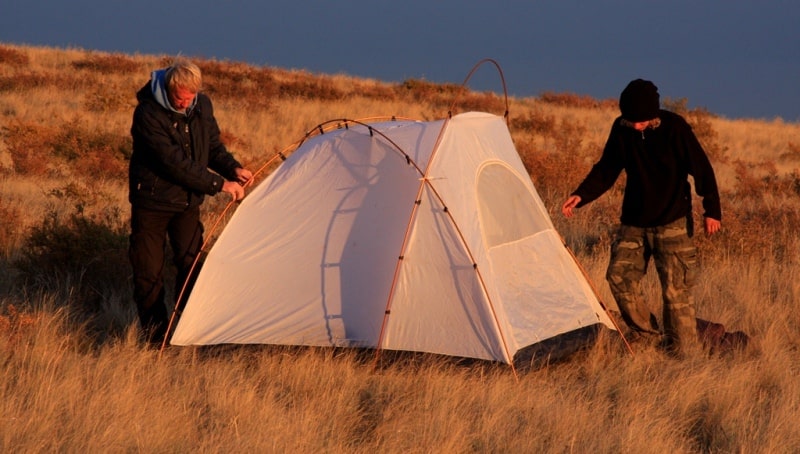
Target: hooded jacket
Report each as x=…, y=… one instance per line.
x=173, y=151
x=657, y=163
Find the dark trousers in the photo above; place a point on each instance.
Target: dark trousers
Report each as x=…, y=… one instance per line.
x=150, y=230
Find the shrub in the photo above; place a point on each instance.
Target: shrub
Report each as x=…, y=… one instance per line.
x=756, y=180
x=577, y=101
x=436, y=95
x=534, y=122
x=37, y=150
x=558, y=171
x=760, y=230
x=107, y=63
x=91, y=152
x=9, y=230
x=483, y=102
x=22, y=82
x=378, y=91
x=237, y=82
x=13, y=57
x=104, y=100
x=305, y=86
x=26, y=142
x=700, y=121
x=81, y=256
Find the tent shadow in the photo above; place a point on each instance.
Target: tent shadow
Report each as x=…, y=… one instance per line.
x=558, y=349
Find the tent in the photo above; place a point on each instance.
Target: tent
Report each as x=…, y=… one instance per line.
x=396, y=234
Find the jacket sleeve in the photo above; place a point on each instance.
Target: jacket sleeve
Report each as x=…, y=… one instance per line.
x=705, y=182
x=165, y=156
x=605, y=172
x=219, y=158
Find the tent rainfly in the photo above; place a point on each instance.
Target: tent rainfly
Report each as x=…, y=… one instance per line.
x=399, y=235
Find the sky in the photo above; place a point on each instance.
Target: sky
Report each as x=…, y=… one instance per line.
x=735, y=58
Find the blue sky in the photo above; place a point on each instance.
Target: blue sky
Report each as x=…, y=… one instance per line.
x=735, y=58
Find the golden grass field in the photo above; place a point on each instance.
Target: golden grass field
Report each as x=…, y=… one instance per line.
x=75, y=378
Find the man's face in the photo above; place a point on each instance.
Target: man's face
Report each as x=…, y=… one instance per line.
x=181, y=98
x=641, y=125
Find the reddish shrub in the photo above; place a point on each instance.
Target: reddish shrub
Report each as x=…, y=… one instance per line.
x=700, y=120
x=237, y=82
x=13, y=57
x=22, y=82
x=534, y=122
x=27, y=145
x=91, y=152
x=438, y=95
x=107, y=63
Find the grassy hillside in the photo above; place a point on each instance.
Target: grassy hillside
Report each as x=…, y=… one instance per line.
x=76, y=379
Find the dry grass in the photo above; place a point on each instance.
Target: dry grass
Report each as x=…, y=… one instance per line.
x=76, y=379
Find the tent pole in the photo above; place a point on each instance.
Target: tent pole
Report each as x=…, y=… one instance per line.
x=469, y=76
x=424, y=181
x=177, y=310
x=597, y=295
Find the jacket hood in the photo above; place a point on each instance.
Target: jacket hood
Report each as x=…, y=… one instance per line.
x=158, y=86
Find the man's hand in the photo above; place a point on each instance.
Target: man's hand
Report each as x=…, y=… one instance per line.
x=243, y=175
x=569, y=205
x=712, y=226
x=233, y=188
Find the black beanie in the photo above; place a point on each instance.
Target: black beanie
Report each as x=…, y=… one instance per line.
x=639, y=101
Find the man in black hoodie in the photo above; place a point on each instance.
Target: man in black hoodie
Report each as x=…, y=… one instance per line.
x=658, y=151
x=177, y=159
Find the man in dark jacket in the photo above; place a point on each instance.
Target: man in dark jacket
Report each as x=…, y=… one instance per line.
x=177, y=159
x=658, y=151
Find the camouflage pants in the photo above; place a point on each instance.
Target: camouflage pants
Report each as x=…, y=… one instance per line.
x=675, y=257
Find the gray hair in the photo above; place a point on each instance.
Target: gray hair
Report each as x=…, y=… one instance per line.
x=184, y=74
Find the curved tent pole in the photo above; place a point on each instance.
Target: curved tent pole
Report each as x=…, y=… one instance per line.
x=177, y=309
x=424, y=181
x=317, y=130
x=597, y=295
x=469, y=76
x=321, y=129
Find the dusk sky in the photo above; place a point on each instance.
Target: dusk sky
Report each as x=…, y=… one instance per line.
x=735, y=58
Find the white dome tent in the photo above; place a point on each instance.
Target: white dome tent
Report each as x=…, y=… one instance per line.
x=396, y=234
